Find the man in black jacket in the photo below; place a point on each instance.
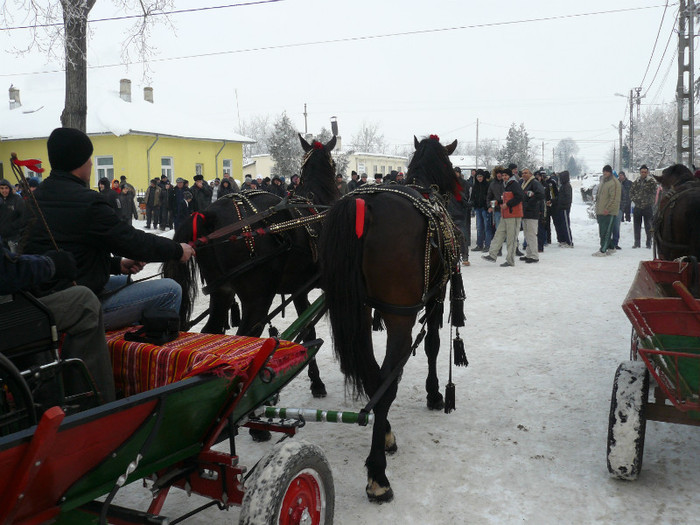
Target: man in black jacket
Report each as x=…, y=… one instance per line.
x=561, y=217
x=106, y=249
x=12, y=215
x=201, y=194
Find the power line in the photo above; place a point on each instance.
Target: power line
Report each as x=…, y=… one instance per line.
x=360, y=38
x=653, y=49
x=662, y=56
x=159, y=13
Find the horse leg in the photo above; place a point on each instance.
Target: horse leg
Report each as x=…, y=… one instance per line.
x=383, y=439
x=219, y=303
x=318, y=389
x=434, y=398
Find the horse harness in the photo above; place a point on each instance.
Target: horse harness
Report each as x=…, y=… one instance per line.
x=669, y=206
x=304, y=214
x=441, y=235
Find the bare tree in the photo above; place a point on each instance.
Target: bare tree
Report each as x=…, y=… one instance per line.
x=369, y=139
x=563, y=151
x=259, y=129
x=74, y=36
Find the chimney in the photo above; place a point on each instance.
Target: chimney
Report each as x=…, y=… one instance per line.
x=125, y=89
x=148, y=94
x=14, y=97
x=338, y=144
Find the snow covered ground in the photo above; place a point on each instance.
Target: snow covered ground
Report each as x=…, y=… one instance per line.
x=527, y=441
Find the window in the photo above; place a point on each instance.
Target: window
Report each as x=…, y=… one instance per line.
x=166, y=167
x=199, y=169
x=105, y=167
x=360, y=168
x=376, y=169
x=227, y=168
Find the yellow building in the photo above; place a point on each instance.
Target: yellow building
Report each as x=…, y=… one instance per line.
x=136, y=139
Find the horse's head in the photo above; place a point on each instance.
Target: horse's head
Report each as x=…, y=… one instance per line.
x=676, y=174
x=317, y=178
x=431, y=164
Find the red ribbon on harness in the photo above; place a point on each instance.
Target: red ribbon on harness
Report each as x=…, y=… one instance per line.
x=32, y=164
x=195, y=216
x=359, y=218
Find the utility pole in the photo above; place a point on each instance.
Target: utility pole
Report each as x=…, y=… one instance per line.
x=619, y=165
x=631, y=166
x=477, y=144
x=306, y=127
x=685, y=87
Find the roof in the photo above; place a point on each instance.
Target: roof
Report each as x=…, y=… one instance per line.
x=40, y=113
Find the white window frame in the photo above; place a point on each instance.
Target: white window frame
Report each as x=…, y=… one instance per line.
x=105, y=170
x=199, y=169
x=227, y=167
x=167, y=168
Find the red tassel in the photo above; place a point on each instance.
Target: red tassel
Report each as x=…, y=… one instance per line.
x=359, y=218
x=318, y=145
x=435, y=137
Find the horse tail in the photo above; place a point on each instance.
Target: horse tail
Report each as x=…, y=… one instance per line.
x=185, y=274
x=340, y=254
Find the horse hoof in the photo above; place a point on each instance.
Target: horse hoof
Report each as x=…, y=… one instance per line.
x=390, y=443
x=436, y=403
x=260, y=436
x=377, y=494
x=319, y=391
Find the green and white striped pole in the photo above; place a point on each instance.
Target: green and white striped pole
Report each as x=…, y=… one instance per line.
x=310, y=414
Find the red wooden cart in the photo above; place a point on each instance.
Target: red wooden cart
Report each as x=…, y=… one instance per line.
x=56, y=470
x=664, y=309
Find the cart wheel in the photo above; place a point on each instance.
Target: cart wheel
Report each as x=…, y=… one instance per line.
x=16, y=403
x=292, y=485
x=627, y=424
x=634, y=346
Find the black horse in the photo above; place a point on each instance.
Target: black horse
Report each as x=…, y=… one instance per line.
x=391, y=248
x=255, y=267
x=677, y=220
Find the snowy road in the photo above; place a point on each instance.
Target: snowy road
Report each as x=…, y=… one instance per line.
x=527, y=441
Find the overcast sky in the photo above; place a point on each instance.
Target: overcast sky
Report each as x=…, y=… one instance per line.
x=408, y=66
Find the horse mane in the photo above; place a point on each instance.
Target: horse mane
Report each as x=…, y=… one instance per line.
x=317, y=179
x=431, y=166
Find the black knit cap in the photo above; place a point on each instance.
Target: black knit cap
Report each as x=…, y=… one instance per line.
x=68, y=149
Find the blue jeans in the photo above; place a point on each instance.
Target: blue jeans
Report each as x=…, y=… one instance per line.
x=124, y=308
x=484, y=231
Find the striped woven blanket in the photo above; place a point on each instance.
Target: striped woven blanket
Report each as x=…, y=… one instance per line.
x=139, y=367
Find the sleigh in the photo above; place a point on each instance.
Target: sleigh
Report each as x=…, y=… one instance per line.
x=663, y=305
x=178, y=401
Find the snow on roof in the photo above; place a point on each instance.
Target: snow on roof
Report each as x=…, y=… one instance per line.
x=108, y=113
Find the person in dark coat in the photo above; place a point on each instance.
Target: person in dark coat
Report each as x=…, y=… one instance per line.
x=626, y=203
x=106, y=249
x=561, y=218
x=180, y=210
x=225, y=188
x=76, y=310
x=110, y=195
x=354, y=181
x=484, y=231
x=277, y=188
x=201, y=194
x=551, y=199
x=152, y=200
x=127, y=205
x=13, y=218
